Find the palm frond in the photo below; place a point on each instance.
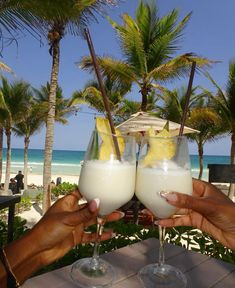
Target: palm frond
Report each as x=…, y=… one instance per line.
x=118, y=71
x=165, y=44
x=231, y=89
x=131, y=43
x=178, y=67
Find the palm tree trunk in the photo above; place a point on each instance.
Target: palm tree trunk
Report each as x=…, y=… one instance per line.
x=1, y=148
x=200, y=154
x=144, y=92
x=26, y=149
x=50, y=124
x=231, y=190
x=8, y=160
x=232, y=151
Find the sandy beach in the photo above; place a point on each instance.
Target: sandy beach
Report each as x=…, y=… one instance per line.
x=35, y=213
x=37, y=179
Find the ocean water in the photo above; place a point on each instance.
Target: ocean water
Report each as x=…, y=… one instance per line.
x=207, y=159
x=63, y=162
x=66, y=162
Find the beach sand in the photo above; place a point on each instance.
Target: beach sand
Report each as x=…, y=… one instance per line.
x=35, y=213
x=37, y=179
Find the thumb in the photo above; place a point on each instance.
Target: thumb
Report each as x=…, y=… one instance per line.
x=180, y=200
x=83, y=215
x=94, y=205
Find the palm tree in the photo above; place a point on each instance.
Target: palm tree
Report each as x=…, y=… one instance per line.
x=3, y=67
x=63, y=107
x=209, y=123
x=58, y=18
x=61, y=18
x=92, y=96
x=128, y=107
x=12, y=21
x=224, y=103
x=199, y=116
x=31, y=123
x=14, y=99
x=149, y=44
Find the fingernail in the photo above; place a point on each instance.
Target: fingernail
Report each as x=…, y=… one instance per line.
x=145, y=212
x=94, y=204
x=169, y=196
x=97, y=201
x=122, y=214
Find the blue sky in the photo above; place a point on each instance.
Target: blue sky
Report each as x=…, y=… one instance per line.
x=209, y=33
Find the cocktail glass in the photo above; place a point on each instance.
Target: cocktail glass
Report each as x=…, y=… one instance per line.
x=167, y=170
x=113, y=182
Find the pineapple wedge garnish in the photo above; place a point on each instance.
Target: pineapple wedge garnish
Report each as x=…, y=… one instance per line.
x=159, y=149
x=107, y=146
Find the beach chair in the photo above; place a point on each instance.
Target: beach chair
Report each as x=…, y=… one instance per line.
x=221, y=175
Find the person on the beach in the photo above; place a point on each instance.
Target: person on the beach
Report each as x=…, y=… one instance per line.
x=208, y=209
x=19, y=181
x=58, y=231
x=12, y=186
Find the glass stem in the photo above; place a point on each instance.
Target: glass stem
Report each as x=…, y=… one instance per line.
x=161, y=259
x=99, y=231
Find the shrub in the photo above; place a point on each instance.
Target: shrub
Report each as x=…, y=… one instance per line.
x=19, y=229
x=24, y=205
x=63, y=189
x=39, y=198
x=130, y=233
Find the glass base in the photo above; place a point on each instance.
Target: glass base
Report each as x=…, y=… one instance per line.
x=164, y=276
x=89, y=273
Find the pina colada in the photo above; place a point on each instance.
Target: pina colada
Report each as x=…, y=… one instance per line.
x=163, y=167
x=112, y=181
x=152, y=182
x=108, y=173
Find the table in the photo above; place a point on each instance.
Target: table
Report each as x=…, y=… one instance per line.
x=201, y=271
x=9, y=202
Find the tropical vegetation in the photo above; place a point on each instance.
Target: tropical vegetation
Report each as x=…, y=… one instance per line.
x=14, y=103
x=200, y=116
x=54, y=19
x=224, y=104
x=149, y=44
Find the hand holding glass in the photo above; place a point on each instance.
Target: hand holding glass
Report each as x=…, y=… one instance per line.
x=113, y=182
x=165, y=174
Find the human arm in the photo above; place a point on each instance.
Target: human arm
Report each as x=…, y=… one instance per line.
x=208, y=210
x=60, y=229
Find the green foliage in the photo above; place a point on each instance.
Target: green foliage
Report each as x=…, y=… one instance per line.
x=3, y=233
x=127, y=234
x=63, y=189
x=24, y=205
x=195, y=240
x=3, y=214
x=39, y=198
x=19, y=229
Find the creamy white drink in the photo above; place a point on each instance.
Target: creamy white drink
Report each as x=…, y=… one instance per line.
x=151, y=181
x=113, y=182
